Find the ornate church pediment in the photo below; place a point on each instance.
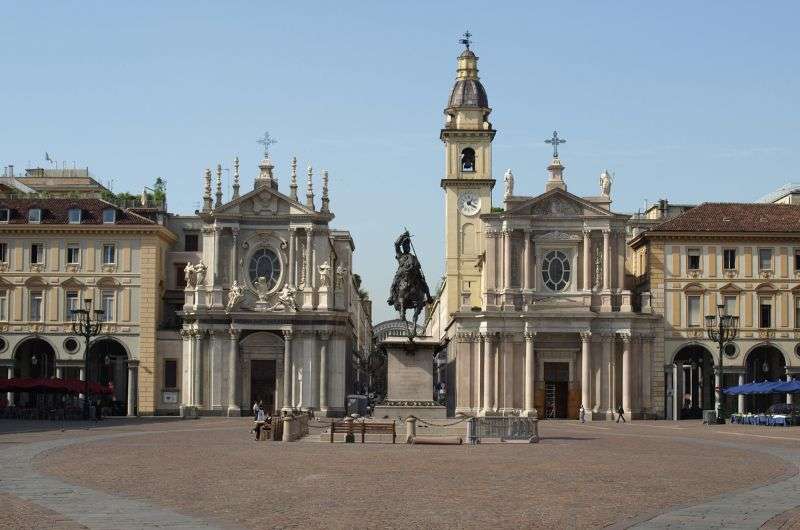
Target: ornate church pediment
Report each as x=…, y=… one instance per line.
x=264, y=201
x=559, y=203
x=558, y=236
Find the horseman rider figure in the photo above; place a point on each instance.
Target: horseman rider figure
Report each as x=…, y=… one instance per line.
x=409, y=288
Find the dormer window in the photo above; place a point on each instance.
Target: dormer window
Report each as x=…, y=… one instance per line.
x=35, y=215
x=4, y=215
x=109, y=216
x=468, y=160
x=74, y=216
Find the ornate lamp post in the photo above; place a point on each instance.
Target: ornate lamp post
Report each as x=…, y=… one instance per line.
x=722, y=329
x=87, y=326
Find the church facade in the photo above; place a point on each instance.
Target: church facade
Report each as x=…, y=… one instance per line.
x=535, y=308
x=269, y=306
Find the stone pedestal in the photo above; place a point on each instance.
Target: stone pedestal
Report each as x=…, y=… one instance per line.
x=410, y=379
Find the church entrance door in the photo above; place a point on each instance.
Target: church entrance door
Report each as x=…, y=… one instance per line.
x=556, y=386
x=262, y=383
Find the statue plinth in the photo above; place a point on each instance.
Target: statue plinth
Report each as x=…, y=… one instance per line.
x=410, y=379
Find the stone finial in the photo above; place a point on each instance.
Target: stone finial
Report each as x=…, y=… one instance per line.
x=325, y=199
x=207, y=192
x=293, y=184
x=218, y=202
x=265, y=176
x=310, y=188
x=556, y=170
x=235, y=178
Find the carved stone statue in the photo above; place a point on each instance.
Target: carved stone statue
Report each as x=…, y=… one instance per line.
x=508, y=180
x=262, y=289
x=325, y=275
x=235, y=296
x=189, y=275
x=605, y=183
x=200, y=273
x=409, y=289
x=286, y=299
x=341, y=273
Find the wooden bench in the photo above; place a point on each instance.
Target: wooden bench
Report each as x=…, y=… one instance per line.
x=363, y=427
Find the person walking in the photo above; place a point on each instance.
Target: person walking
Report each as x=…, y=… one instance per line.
x=582, y=414
x=621, y=414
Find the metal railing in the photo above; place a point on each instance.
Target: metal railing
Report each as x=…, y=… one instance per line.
x=503, y=428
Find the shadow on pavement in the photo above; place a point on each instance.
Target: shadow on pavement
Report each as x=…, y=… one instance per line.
x=9, y=426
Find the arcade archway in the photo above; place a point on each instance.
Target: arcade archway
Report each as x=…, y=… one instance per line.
x=764, y=363
x=692, y=381
x=108, y=364
x=34, y=358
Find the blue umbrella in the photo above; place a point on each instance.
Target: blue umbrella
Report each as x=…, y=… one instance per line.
x=741, y=389
x=767, y=387
x=788, y=387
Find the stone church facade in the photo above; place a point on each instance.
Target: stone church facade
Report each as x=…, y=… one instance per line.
x=269, y=306
x=535, y=308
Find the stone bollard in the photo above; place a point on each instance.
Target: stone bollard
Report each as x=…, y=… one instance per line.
x=287, y=428
x=411, y=429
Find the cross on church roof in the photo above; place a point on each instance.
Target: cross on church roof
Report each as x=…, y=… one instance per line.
x=466, y=40
x=266, y=141
x=554, y=141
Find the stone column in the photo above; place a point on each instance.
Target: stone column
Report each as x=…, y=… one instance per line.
x=133, y=367
x=234, y=408
x=488, y=373
x=10, y=395
x=530, y=373
x=621, y=261
x=606, y=259
x=197, y=395
x=235, y=256
x=290, y=267
x=607, y=340
x=740, y=397
x=506, y=259
x=215, y=280
x=647, y=352
x=677, y=400
x=717, y=390
x=308, y=264
x=527, y=262
x=287, y=371
x=789, y=398
x=59, y=372
x=587, y=262
x=324, y=337
x=82, y=377
x=586, y=364
x=626, y=372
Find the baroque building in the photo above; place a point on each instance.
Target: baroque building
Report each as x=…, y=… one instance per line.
x=535, y=307
x=269, y=306
x=745, y=257
x=57, y=253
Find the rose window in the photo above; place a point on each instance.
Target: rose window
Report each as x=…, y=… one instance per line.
x=555, y=270
x=265, y=264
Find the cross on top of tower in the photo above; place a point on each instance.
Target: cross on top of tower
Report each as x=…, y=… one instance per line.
x=554, y=141
x=266, y=141
x=465, y=40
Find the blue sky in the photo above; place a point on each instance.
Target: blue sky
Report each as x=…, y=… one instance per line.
x=686, y=100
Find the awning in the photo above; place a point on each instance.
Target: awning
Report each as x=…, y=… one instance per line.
x=764, y=387
x=68, y=386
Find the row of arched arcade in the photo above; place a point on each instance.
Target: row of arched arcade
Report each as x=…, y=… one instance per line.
x=109, y=365
x=690, y=380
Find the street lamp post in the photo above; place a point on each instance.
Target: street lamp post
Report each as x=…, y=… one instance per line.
x=722, y=328
x=87, y=326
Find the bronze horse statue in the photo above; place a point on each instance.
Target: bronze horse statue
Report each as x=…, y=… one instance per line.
x=409, y=288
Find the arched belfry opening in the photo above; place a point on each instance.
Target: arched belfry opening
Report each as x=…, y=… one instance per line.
x=468, y=160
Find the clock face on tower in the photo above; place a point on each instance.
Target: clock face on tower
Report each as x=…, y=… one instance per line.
x=469, y=203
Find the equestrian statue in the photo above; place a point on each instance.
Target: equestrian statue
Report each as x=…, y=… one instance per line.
x=409, y=288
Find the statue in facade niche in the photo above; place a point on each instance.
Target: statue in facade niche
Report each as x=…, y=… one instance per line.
x=262, y=289
x=409, y=289
x=341, y=273
x=189, y=275
x=235, y=296
x=325, y=275
x=605, y=183
x=200, y=273
x=508, y=180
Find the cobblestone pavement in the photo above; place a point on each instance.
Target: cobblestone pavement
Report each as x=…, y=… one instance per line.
x=206, y=472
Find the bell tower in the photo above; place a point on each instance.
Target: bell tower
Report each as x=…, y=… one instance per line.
x=467, y=182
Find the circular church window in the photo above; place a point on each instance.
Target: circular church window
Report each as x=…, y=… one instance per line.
x=555, y=270
x=70, y=345
x=264, y=263
x=730, y=350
